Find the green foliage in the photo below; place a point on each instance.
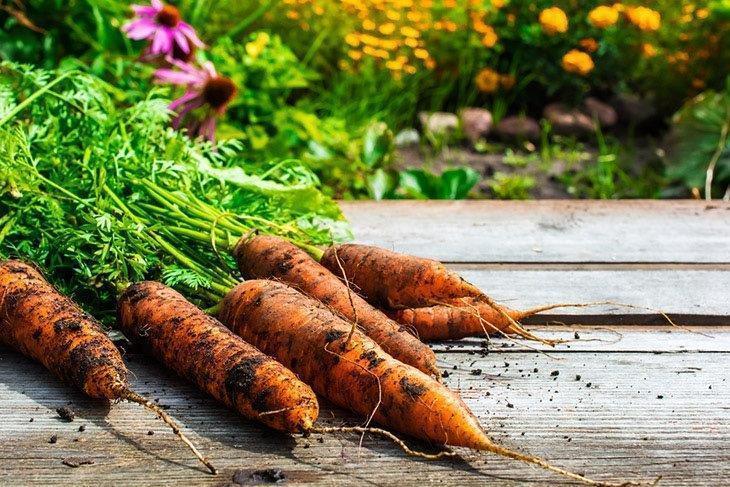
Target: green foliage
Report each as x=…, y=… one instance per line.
x=511, y=186
x=80, y=174
x=698, y=152
x=452, y=184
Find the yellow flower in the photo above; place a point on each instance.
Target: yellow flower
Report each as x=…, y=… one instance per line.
x=352, y=39
x=354, y=55
x=411, y=42
x=702, y=13
x=368, y=24
x=644, y=18
x=575, y=61
x=553, y=21
x=498, y=3
x=408, y=31
x=507, y=81
x=618, y=7
x=648, y=50
x=487, y=80
x=603, y=16
x=421, y=53
x=589, y=44
x=490, y=37
x=387, y=28
x=429, y=63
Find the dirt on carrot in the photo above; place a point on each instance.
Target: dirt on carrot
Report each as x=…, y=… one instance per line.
x=264, y=257
x=201, y=349
x=48, y=327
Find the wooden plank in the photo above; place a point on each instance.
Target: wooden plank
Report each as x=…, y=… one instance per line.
x=548, y=231
x=615, y=428
x=688, y=295
x=609, y=339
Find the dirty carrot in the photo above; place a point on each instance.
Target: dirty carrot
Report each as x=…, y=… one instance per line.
x=407, y=287
x=265, y=256
x=199, y=348
x=391, y=280
x=354, y=372
x=48, y=327
x=459, y=318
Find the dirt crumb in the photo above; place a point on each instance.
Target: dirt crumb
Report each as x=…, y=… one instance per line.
x=75, y=462
x=253, y=477
x=66, y=413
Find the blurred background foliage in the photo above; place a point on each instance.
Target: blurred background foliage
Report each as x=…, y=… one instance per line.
x=329, y=82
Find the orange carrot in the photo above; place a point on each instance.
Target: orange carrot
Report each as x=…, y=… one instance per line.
x=48, y=327
x=354, y=372
x=391, y=280
x=264, y=256
x=422, y=293
x=462, y=318
x=201, y=349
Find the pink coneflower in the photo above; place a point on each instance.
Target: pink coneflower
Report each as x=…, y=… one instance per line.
x=205, y=90
x=162, y=25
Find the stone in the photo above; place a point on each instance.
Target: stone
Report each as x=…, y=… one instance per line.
x=518, y=128
x=598, y=110
x=439, y=123
x=476, y=123
x=568, y=121
x=406, y=138
x=632, y=109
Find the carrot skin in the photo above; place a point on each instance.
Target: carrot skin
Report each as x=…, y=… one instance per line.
x=201, y=349
x=269, y=257
x=50, y=328
x=391, y=280
x=307, y=337
x=461, y=318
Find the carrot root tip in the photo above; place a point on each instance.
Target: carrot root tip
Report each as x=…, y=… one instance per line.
x=132, y=396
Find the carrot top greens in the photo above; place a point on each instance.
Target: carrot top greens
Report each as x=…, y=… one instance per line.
x=89, y=178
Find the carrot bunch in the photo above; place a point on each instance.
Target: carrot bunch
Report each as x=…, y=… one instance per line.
x=48, y=327
x=423, y=294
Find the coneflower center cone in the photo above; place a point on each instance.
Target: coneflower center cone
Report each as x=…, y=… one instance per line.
x=169, y=16
x=218, y=92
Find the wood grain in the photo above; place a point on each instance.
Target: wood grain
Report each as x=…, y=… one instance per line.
x=615, y=428
x=548, y=231
x=691, y=296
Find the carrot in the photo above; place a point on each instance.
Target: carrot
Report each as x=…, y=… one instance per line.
x=458, y=319
x=422, y=293
x=48, y=327
x=265, y=256
x=355, y=373
x=391, y=280
x=199, y=348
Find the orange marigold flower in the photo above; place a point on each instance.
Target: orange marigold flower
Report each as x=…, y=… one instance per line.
x=490, y=38
x=578, y=62
x=644, y=18
x=603, y=16
x=648, y=50
x=589, y=44
x=507, y=81
x=487, y=80
x=553, y=21
x=702, y=13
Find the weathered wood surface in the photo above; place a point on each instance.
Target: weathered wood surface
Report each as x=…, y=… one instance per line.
x=548, y=231
x=610, y=423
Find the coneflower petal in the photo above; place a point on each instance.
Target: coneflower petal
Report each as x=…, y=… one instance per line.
x=139, y=29
x=181, y=40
